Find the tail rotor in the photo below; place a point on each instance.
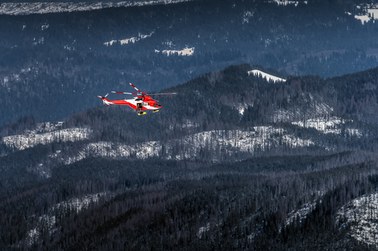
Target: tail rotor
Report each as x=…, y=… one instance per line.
x=104, y=99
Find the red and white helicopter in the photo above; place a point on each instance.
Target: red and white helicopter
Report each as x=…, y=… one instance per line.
x=141, y=103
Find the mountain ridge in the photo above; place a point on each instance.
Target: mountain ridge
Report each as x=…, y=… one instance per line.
x=230, y=178
x=48, y=7
x=214, y=102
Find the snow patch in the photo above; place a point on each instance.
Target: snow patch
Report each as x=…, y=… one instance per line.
x=354, y=132
x=170, y=44
x=203, y=230
x=300, y=214
x=131, y=40
x=266, y=76
x=288, y=2
x=32, y=236
x=241, y=109
x=324, y=125
x=44, y=222
x=45, y=27
x=331, y=125
x=369, y=13
x=69, y=48
x=247, y=16
x=111, y=42
x=38, y=41
x=184, y=52
x=363, y=18
x=26, y=70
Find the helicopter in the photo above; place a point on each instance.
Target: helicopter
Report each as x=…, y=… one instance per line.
x=141, y=101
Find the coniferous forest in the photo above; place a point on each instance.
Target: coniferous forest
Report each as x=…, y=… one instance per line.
x=270, y=143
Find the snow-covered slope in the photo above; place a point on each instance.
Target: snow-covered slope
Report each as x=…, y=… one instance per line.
x=222, y=143
x=300, y=214
x=23, y=8
x=331, y=125
x=48, y=221
x=184, y=52
x=361, y=215
x=45, y=133
x=266, y=76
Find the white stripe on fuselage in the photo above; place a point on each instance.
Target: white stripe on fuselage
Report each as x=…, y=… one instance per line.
x=145, y=105
x=107, y=102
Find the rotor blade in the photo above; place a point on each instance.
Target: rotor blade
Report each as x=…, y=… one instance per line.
x=162, y=94
x=107, y=94
x=128, y=93
x=133, y=86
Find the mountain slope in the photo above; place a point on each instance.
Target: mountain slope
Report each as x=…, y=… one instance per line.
x=53, y=64
x=211, y=112
x=200, y=174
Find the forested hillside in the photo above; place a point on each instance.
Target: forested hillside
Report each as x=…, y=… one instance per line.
x=55, y=64
x=234, y=161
